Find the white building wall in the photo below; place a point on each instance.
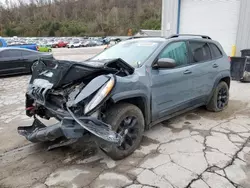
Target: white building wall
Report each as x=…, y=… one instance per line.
x=169, y=17
x=243, y=34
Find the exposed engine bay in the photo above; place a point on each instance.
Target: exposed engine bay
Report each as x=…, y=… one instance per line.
x=73, y=93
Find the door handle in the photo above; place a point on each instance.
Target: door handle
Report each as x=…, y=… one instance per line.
x=187, y=72
x=215, y=65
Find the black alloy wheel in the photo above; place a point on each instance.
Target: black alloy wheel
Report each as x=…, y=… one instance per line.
x=222, y=98
x=128, y=121
x=128, y=129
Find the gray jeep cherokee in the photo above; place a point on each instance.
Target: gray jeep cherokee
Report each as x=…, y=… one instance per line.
x=124, y=90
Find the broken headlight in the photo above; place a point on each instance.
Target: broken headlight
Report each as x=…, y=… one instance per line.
x=100, y=95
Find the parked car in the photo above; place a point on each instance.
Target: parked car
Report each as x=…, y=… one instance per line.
x=18, y=60
x=44, y=48
x=126, y=89
x=52, y=43
x=61, y=44
x=74, y=44
x=111, y=43
x=89, y=43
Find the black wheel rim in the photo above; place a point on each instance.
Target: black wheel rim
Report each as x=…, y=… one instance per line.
x=128, y=129
x=222, y=98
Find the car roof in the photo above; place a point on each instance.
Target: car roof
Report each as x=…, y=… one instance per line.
x=202, y=38
x=148, y=39
x=15, y=48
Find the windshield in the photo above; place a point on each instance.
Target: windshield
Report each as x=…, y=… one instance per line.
x=133, y=52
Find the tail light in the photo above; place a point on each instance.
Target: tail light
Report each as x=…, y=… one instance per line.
x=229, y=58
x=37, y=48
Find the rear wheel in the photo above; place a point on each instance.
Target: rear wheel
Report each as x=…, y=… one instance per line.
x=220, y=98
x=128, y=121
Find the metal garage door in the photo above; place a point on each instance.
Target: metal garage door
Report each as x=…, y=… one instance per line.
x=216, y=18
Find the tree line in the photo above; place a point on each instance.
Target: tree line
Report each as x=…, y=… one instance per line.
x=78, y=17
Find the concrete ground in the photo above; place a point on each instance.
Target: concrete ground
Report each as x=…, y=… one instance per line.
x=198, y=149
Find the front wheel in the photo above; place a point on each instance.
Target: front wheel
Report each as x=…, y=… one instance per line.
x=220, y=98
x=128, y=121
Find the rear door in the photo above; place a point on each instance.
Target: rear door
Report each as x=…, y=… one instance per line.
x=202, y=68
x=11, y=62
x=216, y=63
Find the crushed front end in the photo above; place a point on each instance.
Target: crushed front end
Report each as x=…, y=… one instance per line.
x=73, y=93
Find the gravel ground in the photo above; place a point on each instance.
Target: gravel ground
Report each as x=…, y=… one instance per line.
x=198, y=149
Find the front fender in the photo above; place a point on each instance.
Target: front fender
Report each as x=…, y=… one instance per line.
x=130, y=96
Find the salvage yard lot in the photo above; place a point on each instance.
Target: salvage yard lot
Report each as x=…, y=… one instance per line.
x=198, y=149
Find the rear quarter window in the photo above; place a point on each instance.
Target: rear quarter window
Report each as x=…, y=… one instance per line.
x=216, y=52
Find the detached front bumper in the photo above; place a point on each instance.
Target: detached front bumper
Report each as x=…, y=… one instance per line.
x=70, y=129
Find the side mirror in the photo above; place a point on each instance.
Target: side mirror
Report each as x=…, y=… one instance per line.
x=165, y=63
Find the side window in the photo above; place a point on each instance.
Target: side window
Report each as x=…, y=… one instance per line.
x=5, y=54
x=215, y=51
x=200, y=52
x=27, y=53
x=12, y=53
x=177, y=51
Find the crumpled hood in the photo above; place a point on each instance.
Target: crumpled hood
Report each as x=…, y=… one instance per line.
x=60, y=72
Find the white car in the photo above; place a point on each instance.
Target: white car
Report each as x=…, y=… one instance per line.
x=74, y=44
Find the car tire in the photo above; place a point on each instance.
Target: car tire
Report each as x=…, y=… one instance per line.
x=220, y=98
x=49, y=50
x=127, y=118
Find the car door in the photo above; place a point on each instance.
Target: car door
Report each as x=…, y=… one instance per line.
x=202, y=68
x=29, y=57
x=172, y=88
x=11, y=62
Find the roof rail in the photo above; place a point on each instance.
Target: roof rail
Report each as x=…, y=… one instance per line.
x=191, y=35
x=137, y=37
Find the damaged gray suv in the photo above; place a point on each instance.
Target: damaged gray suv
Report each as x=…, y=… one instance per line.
x=125, y=90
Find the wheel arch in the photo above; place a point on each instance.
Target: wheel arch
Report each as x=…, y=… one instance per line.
x=139, y=100
x=225, y=78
